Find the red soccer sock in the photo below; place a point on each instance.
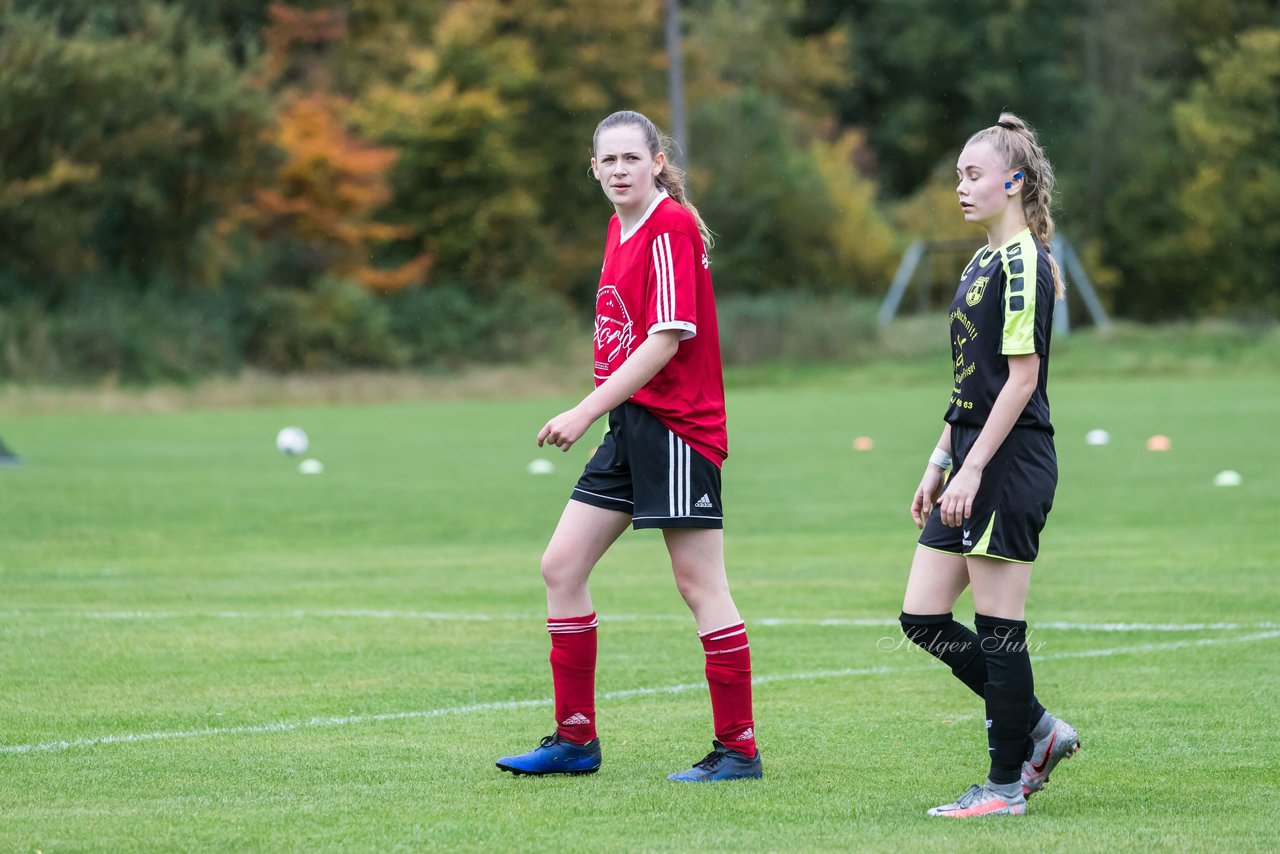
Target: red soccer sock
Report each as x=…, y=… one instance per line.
x=573, y=671
x=729, y=677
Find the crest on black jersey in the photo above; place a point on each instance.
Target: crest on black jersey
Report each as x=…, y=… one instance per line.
x=973, y=296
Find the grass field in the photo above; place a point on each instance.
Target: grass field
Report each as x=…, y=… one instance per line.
x=204, y=649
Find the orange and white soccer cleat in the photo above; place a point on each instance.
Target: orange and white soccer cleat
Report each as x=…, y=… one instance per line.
x=980, y=801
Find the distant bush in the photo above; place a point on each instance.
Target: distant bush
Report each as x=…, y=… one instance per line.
x=335, y=325
x=802, y=328
x=119, y=335
x=448, y=324
x=120, y=331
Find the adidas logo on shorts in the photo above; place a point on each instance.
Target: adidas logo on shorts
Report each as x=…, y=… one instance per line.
x=576, y=719
x=704, y=502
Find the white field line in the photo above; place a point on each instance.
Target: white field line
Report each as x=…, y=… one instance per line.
x=477, y=708
x=1157, y=647
x=443, y=616
x=472, y=708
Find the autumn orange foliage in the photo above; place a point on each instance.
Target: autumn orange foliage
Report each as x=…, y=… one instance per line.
x=330, y=183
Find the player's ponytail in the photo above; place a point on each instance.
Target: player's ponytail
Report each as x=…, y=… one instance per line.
x=672, y=177
x=1016, y=142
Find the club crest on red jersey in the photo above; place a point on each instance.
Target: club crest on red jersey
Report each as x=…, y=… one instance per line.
x=615, y=332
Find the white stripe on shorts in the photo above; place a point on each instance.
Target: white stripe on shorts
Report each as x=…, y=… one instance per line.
x=679, y=477
x=688, y=480
x=671, y=473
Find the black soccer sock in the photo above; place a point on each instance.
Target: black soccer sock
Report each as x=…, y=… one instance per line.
x=956, y=646
x=1008, y=692
x=949, y=642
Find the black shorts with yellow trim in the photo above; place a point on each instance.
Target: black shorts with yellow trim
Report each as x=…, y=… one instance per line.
x=1013, y=500
x=643, y=469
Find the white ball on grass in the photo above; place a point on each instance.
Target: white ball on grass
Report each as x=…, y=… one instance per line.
x=1227, y=478
x=291, y=440
x=541, y=466
x=1097, y=437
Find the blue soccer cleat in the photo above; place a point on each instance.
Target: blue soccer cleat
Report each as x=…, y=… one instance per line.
x=555, y=756
x=722, y=764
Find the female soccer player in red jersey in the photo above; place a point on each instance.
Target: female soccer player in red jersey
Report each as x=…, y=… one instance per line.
x=658, y=376
x=983, y=527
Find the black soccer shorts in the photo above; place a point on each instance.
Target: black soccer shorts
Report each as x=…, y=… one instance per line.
x=1013, y=500
x=644, y=469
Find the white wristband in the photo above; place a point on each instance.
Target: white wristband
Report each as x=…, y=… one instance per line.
x=941, y=459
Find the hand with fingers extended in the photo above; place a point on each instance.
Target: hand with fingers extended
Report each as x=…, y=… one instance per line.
x=956, y=504
x=926, y=495
x=565, y=429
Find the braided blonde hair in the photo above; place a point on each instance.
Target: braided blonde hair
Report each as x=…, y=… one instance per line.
x=1016, y=142
x=672, y=177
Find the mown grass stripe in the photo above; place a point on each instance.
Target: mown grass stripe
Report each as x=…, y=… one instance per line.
x=506, y=705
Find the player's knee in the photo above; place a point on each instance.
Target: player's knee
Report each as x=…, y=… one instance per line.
x=922, y=629
x=687, y=589
x=912, y=629
x=558, y=570
x=698, y=592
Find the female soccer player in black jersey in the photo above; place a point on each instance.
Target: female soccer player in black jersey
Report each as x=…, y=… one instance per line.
x=982, y=527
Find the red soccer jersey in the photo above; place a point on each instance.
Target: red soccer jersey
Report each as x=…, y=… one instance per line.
x=654, y=278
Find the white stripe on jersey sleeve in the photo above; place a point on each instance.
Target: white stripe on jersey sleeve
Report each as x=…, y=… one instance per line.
x=665, y=291
x=662, y=309
x=671, y=277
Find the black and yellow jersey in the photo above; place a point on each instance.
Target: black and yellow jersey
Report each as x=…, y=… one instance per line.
x=1003, y=308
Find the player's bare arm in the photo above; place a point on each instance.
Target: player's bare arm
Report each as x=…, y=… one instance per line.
x=930, y=483
x=649, y=358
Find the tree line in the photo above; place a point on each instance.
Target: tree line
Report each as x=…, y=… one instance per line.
x=188, y=187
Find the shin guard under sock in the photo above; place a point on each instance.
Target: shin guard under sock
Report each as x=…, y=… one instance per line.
x=573, y=672
x=729, y=678
x=1008, y=694
x=956, y=646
